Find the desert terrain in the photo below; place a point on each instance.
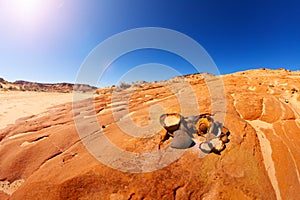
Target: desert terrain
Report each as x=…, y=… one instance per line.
x=23, y=99
x=17, y=104
x=99, y=148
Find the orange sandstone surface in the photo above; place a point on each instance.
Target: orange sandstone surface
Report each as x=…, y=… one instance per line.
x=43, y=156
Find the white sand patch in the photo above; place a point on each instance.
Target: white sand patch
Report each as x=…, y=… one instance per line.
x=20, y=135
x=283, y=84
x=294, y=76
x=234, y=104
x=158, y=100
x=127, y=116
x=263, y=108
x=252, y=88
x=26, y=143
x=10, y=188
x=270, y=91
x=266, y=150
x=116, y=104
x=89, y=116
x=297, y=122
x=260, y=124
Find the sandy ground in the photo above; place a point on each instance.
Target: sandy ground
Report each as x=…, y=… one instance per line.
x=16, y=104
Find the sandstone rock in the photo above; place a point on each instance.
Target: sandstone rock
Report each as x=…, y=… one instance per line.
x=249, y=106
x=260, y=161
x=272, y=110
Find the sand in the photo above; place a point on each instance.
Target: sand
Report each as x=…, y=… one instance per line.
x=17, y=104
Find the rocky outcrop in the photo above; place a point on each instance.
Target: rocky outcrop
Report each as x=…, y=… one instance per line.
x=2, y=80
x=275, y=117
x=44, y=87
x=49, y=159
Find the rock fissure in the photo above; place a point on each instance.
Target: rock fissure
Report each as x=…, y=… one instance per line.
x=50, y=158
x=175, y=191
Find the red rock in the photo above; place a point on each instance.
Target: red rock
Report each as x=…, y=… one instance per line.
x=287, y=178
x=272, y=110
x=46, y=151
x=3, y=195
x=249, y=106
x=287, y=112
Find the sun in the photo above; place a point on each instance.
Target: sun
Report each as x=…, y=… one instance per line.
x=26, y=12
x=29, y=9
x=28, y=6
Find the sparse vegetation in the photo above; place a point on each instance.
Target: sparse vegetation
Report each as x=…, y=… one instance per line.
x=138, y=84
x=124, y=85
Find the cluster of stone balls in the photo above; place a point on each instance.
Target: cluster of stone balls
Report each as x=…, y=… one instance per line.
x=183, y=130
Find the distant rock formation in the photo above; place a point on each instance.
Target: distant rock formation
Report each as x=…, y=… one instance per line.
x=44, y=87
x=42, y=156
x=2, y=80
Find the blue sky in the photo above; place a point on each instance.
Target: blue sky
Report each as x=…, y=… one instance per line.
x=48, y=40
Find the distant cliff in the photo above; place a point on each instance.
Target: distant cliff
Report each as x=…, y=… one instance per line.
x=44, y=87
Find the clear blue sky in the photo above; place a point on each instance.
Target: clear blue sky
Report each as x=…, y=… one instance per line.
x=47, y=40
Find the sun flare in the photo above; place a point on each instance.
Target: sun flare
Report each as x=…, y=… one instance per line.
x=27, y=11
x=28, y=5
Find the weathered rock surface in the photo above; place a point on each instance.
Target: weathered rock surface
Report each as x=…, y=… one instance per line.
x=47, y=158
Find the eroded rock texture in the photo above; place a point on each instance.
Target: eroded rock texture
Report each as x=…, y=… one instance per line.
x=43, y=157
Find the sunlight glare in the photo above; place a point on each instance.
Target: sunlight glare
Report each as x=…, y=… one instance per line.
x=28, y=11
